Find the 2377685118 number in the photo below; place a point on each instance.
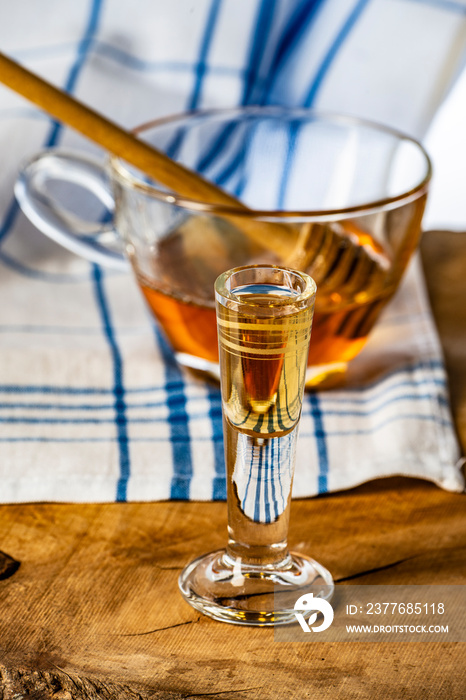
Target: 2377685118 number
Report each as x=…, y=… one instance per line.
x=404, y=608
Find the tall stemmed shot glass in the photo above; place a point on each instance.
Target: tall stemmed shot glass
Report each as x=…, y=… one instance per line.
x=264, y=319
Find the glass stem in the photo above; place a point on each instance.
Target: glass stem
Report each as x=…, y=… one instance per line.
x=259, y=480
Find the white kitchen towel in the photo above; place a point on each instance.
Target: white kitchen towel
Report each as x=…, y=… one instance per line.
x=93, y=406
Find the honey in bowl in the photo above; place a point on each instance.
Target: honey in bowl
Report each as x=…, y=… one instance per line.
x=355, y=275
x=336, y=197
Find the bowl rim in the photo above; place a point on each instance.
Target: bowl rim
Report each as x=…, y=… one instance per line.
x=124, y=176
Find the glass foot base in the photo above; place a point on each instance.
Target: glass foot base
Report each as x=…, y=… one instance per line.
x=244, y=594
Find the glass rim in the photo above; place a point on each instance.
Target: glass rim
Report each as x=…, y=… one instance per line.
x=222, y=291
x=122, y=173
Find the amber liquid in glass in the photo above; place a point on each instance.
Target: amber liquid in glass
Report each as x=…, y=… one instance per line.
x=263, y=362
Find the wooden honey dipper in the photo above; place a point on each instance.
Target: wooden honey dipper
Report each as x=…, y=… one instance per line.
x=293, y=246
x=123, y=144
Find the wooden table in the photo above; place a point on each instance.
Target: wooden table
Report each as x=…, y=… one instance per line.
x=94, y=612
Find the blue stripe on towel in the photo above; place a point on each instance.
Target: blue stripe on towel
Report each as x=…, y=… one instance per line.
x=201, y=66
x=375, y=427
x=122, y=57
x=320, y=436
x=298, y=23
x=10, y=218
x=260, y=477
x=436, y=420
x=313, y=89
x=292, y=136
x=174, y=146
x=178, y=421
x=327, y=60
x=295, y=28
x=182, y=452
x=52, y=139
x=118, y=387
x=347, y=398
x=274, y=476
x=83, y=50
x=278, y=508
x=364, y=413
x=248, y=483
x=262, y=27
x=259, y=38
x=60, y=390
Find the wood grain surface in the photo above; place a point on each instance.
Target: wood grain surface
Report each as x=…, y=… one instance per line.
x=93, y=610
